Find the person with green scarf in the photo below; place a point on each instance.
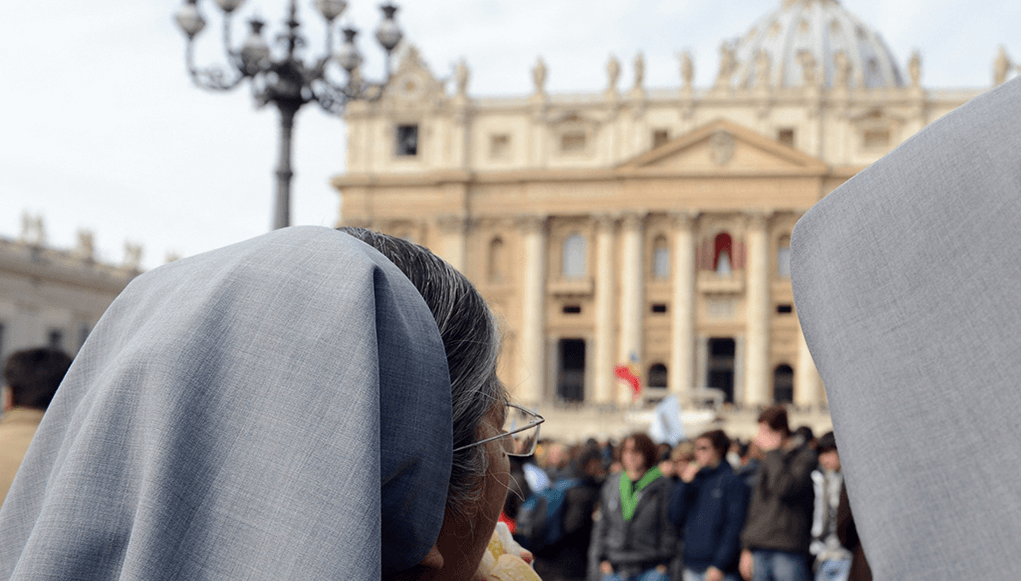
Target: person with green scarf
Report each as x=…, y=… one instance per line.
x=633, y=539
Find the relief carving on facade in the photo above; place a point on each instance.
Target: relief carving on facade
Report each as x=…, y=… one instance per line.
x=721, y=144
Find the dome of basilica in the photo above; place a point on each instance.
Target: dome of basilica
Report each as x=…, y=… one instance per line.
x=810, y=42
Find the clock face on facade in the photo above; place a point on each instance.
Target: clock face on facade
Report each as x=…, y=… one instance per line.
x=411, y=86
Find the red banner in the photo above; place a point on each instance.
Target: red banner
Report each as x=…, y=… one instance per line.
x=627, y=373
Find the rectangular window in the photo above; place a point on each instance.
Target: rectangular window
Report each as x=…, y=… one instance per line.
x=661, y=262
x=660, y=137
x=783, y=262
x=499, y=146
x=572, y=309
x=876, y=138
x=659, y=308
x=573, y=142
x=407, y=140
x=785, y=136
x=784, y=309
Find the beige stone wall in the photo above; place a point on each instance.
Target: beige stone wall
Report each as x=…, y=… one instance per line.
x=499, y=184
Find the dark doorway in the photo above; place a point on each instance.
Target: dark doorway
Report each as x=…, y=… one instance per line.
x=721, y=366
x=571, y=370
x=783, y=384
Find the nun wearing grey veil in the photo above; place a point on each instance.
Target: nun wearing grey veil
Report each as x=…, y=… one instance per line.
x=907, y=281
x=276, y=409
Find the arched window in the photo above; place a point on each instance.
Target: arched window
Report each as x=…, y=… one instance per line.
x=573, y=259
x=657, y=376
x=660, y=258
x=783, y=384
x=723, y=252
x=497, y=260
x=783, y=257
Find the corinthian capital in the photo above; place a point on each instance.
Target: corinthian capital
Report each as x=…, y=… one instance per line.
x=684, y=219
x=532, y=222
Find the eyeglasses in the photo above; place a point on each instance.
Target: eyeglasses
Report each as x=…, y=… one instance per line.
x=520, y=431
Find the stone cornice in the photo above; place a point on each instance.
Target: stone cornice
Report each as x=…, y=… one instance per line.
x=578, y=175
x=54, y=267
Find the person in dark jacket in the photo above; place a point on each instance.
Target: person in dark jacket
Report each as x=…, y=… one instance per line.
x=567, y=559
x=709, y=504
x=633, y=540
x=778, y=527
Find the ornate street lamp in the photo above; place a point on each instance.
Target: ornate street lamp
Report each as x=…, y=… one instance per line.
x=281, y=78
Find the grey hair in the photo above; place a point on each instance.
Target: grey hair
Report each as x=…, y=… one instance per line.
x=471, y=339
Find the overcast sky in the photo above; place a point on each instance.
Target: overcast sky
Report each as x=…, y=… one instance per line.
x=102, y=129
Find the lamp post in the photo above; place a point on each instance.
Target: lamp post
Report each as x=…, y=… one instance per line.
x=282, y=78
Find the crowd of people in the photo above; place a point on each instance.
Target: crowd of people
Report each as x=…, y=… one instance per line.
x=707, y=509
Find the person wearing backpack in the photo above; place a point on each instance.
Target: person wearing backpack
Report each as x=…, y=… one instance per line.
x=566, y=557
x=633, y=540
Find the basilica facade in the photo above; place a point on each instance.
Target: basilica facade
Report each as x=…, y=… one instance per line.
x=642, y=227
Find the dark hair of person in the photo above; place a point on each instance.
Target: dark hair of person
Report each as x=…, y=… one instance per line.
x=472, y=343
x=34, y=375
x=827, y=442
x=719, y=441
x=806, y=434
x=776, y=418
x=645, y=446
x=587, y=456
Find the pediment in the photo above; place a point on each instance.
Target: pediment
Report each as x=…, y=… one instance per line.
x=723, y=147
x=412, y=82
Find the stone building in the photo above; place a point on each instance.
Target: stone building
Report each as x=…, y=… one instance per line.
x=642, y=225
x=55, y=297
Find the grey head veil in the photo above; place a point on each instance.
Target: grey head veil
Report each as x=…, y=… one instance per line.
x=907, y=282
x=275, y=409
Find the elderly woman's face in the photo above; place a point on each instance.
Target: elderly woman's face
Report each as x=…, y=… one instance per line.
x=462, y=541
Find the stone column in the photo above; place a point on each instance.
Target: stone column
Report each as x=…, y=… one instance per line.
x=702, y=361
x=606, y=281
x=807, y=383
x=681, y=375
x=454, y=236
x=533, y=312
x=757, y=374
x=632, y=295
